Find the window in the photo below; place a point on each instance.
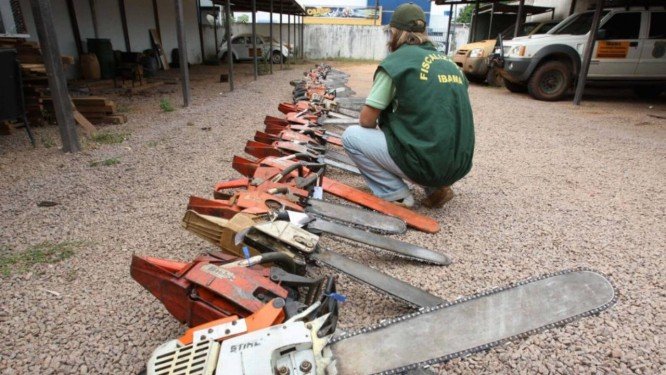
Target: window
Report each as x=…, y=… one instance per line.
x=623, y=26
x=658, y=25
x=547, y=26
x=239, y=40
x=578, y=24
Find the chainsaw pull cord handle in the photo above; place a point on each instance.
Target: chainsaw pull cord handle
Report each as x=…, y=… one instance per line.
x=281, y=259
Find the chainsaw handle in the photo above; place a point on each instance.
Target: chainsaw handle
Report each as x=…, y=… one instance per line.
x=285, y=172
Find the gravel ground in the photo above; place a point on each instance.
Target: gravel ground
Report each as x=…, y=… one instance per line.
x=553, y=187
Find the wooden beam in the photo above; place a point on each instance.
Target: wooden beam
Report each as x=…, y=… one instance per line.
x=255, y=59
x=123, y=20
x=589, y=47
x=75, y=27
x=182, y=53
x=43, y=16
x=230, y=57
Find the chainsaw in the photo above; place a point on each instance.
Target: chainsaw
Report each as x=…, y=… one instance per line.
x=265, y=147
x=217, y=285
x=423, y=223
x=300, y=346
x=263, y=198
x=303, y=248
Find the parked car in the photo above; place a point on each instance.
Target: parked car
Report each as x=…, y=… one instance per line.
x=630, y=51
x=241, y=48
x=472, y=58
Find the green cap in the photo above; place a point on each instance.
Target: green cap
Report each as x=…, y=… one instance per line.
x=405, y=17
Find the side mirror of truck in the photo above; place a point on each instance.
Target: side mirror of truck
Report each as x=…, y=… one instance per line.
x=601, y=34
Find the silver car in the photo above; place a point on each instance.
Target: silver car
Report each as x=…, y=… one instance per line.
x=241, y=49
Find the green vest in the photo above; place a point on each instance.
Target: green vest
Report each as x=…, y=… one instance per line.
x=429, y=127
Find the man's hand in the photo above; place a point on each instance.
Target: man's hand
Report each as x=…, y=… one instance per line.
x=369, y=116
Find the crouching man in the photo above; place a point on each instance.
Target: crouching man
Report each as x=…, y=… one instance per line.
x=426, y=131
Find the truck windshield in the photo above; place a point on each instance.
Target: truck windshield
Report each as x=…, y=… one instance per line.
x=578, y=24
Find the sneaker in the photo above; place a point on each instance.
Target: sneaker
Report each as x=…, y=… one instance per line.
x=407, y=202
x=438, y=198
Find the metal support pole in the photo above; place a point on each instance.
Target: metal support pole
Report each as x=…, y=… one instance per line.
x=282, y=60
x=472, y=30
x=93, y=15
x=519, y=19
x=270, y=35
x=302, y=38
x=295, y=43
x=230, y=57
x=288, y=29
x=123, y=21
x=62, y=105
x=75, y=27
x=572, y=8
x=255, y=59
x=589, y=47
x=217, y=43
x=201, y=39
x=490, y=24
x=156, y=16
x=448, y=29
x=182, y=53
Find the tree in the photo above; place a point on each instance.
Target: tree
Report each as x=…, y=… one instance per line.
x=465, y=15
x=243, y=18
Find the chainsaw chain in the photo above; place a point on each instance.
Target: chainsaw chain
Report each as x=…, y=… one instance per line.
x=464, y=353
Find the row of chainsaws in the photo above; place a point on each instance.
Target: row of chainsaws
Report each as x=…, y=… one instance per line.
x=253, y=307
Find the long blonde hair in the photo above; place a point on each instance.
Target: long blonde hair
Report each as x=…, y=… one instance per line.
x=400, y=37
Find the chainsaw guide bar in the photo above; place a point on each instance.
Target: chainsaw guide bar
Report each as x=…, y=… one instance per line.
x=371, y=220
x=472, y=324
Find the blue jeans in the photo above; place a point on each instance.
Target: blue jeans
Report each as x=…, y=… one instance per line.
x=367, y=147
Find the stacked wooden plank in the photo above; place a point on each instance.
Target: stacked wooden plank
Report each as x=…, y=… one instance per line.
x=35, y=82
x=96, y=109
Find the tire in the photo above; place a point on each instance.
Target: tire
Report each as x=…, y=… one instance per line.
x=648, y=92
x=276, y=57
x=550, y=81
x=474, y=78
x=514, y=87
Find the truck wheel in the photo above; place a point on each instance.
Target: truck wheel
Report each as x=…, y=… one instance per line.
x=648, y=92
x=494, y=78
x=549, y=81
x=276, y=57
x=514, y=87
x=474, y=78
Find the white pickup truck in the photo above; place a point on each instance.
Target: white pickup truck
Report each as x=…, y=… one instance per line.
x=630, y=51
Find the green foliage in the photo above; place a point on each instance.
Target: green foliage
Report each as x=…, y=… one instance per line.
x=107, y=162
x=166, y=106
x=45, y=252
x=108, y=138
x=465, y=15
x=243, y=18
